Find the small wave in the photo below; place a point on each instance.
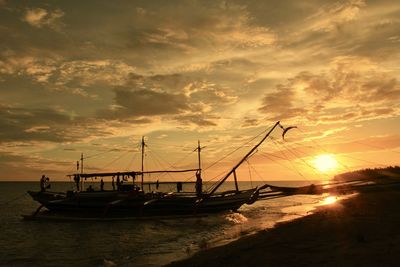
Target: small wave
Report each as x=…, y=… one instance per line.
x=108, y=263
x=236, y=218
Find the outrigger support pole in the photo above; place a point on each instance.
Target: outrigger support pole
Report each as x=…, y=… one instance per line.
x=242, y=160
x=236, y=183
x=81, y=187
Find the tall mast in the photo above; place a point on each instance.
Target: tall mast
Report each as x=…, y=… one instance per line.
x=143, y=144
x=81, y=171
x=81, y=163
x=198, y=155
x=243, y=159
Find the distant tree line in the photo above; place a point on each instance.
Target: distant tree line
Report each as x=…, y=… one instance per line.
x=376, y=173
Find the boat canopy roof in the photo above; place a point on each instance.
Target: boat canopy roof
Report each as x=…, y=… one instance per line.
x=128, y=173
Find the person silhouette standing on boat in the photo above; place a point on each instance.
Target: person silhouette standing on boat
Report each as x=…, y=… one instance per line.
x=77, y=181
x=113, y=183
x=199, y=184
x=178, y=187
x=44, y=183
x=101, y=184
x=118, y=182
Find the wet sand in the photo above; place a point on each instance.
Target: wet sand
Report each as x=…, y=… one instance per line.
x=361, y=231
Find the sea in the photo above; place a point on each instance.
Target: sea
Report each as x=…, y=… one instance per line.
x=150, y=242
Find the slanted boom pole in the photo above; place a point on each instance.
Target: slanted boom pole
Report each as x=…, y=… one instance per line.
x=243, y=159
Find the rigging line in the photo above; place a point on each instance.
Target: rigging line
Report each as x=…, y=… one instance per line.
x=224, y=157
x=239, y=148
x=251, y=180
x=181, y=159
x=293, y=151
x=193, y=175
x=157, y=161
x=209, y=143
x=375, y=146
x=100, y=153
x=214, y=163
x=283, y=165
x=129, y=166
x=299, y=156
x=212, y=179
x=112, y=162
x=326, y=151
x=257, y=173
x=173, y=165
x=287, y=158
x=159, y=158
x=367, y=161
x=271, y=155
x=340, y=163
x=168, y=145
x=293, y=169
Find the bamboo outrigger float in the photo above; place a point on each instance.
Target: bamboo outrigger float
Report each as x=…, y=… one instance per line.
x=130, y=200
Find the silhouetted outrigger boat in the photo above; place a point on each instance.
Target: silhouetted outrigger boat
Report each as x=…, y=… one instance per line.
x=130, y=200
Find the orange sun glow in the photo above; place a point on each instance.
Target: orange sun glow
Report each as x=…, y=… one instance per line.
x=325, y=162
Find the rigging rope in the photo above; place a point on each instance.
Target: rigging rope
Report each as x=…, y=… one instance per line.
x=224, y=157
x=248, y=142
x=326, y=151
x=379, y=147
x=118, y=158
x=343, y=155
x=251, y=180
x=300, y=157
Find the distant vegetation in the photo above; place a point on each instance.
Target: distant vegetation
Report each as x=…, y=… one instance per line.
x=376, y=173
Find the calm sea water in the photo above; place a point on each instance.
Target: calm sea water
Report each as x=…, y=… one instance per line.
x=128, y=243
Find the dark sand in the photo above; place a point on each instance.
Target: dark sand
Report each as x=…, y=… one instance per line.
x=360, y=231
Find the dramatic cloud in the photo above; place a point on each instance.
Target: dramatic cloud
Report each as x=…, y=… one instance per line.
x=87, y=73
x=78, y=75
x=19, y=124
x=333, y=16
x=40, y=17
x=47, y=125
x=356, y=88
x=147, y=102
x=39, y=69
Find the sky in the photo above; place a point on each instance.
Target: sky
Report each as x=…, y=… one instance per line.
x=93, y=77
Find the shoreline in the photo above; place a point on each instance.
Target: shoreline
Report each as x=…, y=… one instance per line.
x=361, y=230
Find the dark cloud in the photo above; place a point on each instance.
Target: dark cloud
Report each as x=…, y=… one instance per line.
x=46, y=124
x=201, y=120
x=40, y=17
x=16, y=166
x=282, y=104
x=249, y=122
x=20, y=124
x=141, y=102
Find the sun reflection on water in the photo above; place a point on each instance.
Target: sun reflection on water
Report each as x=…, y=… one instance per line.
x=329, y=200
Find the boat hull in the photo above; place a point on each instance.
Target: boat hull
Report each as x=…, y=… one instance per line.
x=114, y=203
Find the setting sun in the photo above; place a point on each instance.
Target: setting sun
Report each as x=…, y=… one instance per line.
x=325, y=162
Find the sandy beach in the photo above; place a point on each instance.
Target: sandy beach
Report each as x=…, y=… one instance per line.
x=361, y=231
